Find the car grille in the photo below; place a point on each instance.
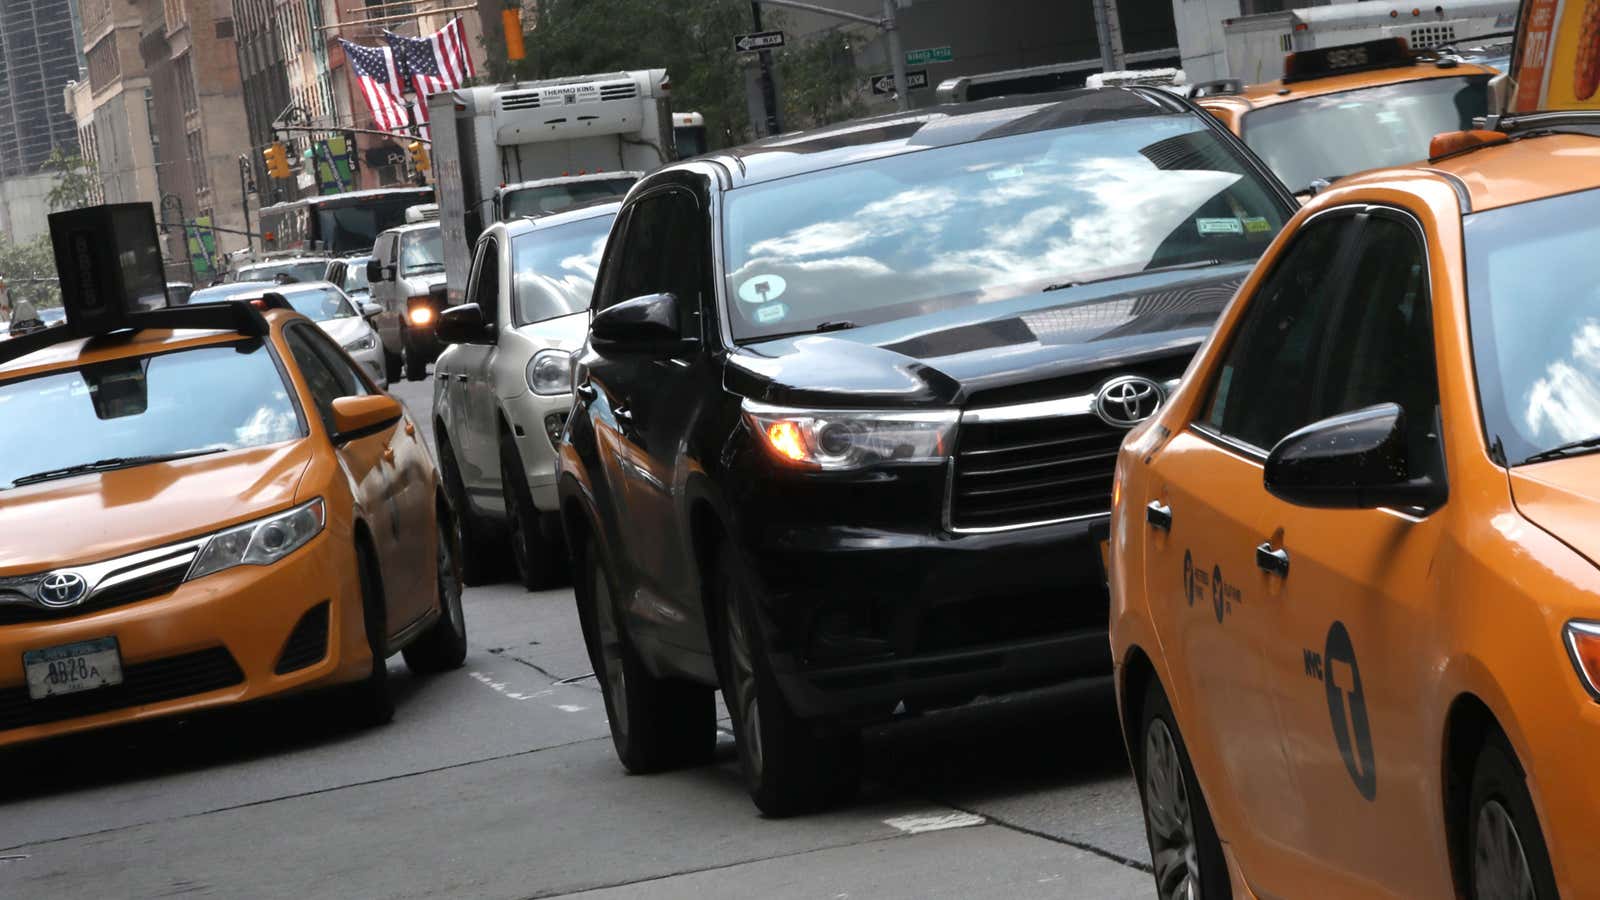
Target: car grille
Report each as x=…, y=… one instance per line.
x=143, y=683
x=1030, y=471
x=144, y=587
x=308, y=643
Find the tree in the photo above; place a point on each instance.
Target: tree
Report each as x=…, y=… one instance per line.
x=820, y=81
x=29, y=271
x=77, y=183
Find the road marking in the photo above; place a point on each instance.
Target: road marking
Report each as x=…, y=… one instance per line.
x=917, y=823
x=568, y=707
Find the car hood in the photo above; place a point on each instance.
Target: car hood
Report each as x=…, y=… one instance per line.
x=1561, y=497
x=419, y=283
x=562, y=332
x=345, y=328
x=945, y=358
x=99, y=516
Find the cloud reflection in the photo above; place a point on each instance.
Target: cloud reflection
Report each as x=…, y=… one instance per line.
x=1566, y=401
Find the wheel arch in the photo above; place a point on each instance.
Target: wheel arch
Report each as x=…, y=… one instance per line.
x=1138, y=671
x=1468, y=725
x=707, y=531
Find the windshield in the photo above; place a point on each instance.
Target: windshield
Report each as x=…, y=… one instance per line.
x=1533, y=281
x=556, y=267
x=355, y=276
x=224, y=397
x=421, y=251
x=299, y=270
x=1338, y=134
x=320, y=305
x=990, y=220
x=353, y=229
x=536, y=201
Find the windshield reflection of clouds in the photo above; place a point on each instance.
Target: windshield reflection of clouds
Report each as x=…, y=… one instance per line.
x=986, y=222
x=1564, y=405
x=556, y=271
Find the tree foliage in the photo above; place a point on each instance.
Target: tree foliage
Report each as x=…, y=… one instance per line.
x=29, y=271
x=77, y=183
x=693, y=41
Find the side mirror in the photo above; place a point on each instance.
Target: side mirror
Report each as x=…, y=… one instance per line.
x=374, y=270
x=643, y=327
x=369, y=309
x=355, y=417
x=1356, y=460
x=463, y=325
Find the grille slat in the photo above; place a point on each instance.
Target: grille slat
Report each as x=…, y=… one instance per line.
x=1036, y=485
x=1025, y=471
x=156, y=681
x=1014, y=468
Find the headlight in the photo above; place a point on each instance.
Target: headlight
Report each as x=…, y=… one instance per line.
x=853, y=439
x=262, y=542
x=550, y=373
x=366, y=342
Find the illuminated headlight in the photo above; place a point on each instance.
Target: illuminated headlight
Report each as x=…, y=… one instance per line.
x=852, y=439
x=262, y=542
x=550, y=373
x=367, y=341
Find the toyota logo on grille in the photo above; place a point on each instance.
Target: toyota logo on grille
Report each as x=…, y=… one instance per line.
x=1128, y=400
x=62, y=589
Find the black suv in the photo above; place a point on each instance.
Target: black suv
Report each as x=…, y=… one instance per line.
x=848, y=411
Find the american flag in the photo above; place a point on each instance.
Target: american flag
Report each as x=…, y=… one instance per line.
x=380, y=81
x=438, y=62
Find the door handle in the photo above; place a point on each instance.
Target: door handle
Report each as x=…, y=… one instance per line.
x=622, y=414
x=586, y=391
x=1273, y=562
x=388, y=454
x=411, y=430
x=1158, y=515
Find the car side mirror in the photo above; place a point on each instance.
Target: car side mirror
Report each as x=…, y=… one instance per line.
x=646, y=326
x=355, y=417
x=369, y=310
x=464, y=324
x=1355, y=460
x=374, y=270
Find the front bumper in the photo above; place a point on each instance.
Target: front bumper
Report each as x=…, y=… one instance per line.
x=220, y=640
x=526, y=413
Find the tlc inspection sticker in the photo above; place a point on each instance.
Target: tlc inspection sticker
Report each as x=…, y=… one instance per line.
x=762, y=288
x=1219, y=226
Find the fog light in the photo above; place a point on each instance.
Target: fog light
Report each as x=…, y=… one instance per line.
x=422, y=315
x=553, y=424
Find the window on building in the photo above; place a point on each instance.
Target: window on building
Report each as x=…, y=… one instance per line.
x=191, y=100
x=103, y=64
x=197, y=160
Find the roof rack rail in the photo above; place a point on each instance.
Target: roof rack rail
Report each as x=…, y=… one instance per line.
x=224, y=316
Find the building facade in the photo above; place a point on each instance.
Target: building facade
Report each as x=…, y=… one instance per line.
x=113, y=107
x=38, y=56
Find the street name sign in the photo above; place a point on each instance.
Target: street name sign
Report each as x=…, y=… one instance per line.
x=931, y=55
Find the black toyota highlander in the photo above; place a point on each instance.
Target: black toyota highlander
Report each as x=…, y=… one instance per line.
x=847, y=415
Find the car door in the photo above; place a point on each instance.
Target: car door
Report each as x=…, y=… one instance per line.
x=1203, y=520
x=1358, y=599
x=482, y=410
x=477, y=452
x=663, y=247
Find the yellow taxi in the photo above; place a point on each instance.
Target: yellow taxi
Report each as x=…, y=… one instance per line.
x=1345, y=109
x=210, y=506
x=1355, y=560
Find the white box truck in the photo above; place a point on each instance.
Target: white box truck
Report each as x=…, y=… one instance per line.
x=485, y=138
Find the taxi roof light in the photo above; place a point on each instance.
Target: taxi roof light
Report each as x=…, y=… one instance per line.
x=1365, y=56
x=1450, y=143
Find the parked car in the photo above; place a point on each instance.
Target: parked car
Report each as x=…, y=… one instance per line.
x=502, y=390
x=291, y=268
x=406, y=264
x=847, y=415
x=347, y=322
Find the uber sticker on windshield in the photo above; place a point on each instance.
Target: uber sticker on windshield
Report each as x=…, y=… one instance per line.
x=763, y=288
x=766, y=315
x=1219, y=226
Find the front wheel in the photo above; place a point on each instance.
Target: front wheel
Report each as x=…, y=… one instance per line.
x=1184, y=847
x=790, y=765
x=391, y=366
x=444, y=645
x=477, y=545
x=1509, y=859
x=369, y=701
x=415, y=363
x=536, y=555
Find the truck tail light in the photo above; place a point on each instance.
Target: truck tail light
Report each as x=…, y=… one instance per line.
x=1583, y=645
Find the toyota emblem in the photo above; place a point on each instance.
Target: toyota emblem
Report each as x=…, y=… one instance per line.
x=62, y=589
x=1127, y=400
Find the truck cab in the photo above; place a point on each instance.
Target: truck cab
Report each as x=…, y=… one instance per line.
x=407, y=262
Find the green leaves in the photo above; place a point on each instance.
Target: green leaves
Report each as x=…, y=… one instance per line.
x=77, y=182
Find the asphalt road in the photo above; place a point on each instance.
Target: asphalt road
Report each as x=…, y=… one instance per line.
x=499, y=780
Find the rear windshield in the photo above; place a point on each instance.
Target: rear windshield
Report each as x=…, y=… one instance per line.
x=537, y=201
x=299, y=270
x=1335, y=135
x=213, y=398
x=556, y=266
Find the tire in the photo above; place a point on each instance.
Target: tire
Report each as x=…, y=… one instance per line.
x=1184, y=846
x=657, y=724
x=478, y=547
x=416, y=367
x=535, y=555
x=391, y=367
x=369, y=701
x=1506, y=853
x=444, y=645
x=791, y=765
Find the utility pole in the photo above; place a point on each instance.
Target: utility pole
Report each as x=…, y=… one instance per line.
x=244, y=198
x=769, y=91
x=1108, y=29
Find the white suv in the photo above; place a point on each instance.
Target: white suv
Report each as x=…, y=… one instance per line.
x=407, y=262
x=503, y=388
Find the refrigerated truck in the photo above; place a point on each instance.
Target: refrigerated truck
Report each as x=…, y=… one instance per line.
x=488, y=137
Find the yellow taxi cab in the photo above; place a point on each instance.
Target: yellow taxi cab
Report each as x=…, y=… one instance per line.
x=1355, y=561
x=1345, y=109
x=210, y=506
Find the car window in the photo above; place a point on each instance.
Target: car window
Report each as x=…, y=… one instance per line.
x=486, y=279
x=326, y=375
x=1259, y=392
x=320, y=304
x=640, y=268
x=554, y=268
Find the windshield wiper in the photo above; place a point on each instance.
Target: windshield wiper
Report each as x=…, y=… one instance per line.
x=1568, y=449
x=107, y=464
x=833, y=326
x=1192, y=264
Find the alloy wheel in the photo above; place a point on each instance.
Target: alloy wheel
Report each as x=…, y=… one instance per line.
x=744, y=686
x=1500, y=867
x=1174, y=850
x=605, y=617
x=521, y=553
x=450, y=583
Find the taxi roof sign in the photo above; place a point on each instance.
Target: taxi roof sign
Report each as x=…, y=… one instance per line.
x=109, y=261
x=1324, y=61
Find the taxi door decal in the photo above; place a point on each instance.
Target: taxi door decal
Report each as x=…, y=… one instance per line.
x=1351, y=730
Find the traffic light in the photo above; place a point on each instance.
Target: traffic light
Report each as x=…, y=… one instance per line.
x=277, y=160
x=419, y=156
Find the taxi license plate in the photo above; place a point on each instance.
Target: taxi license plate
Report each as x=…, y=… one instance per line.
x=70, y=668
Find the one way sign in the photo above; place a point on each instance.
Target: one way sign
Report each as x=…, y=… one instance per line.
x=915, y=78
x=760, y=40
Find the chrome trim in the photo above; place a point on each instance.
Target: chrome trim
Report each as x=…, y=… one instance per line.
x=1081, y=405
x=102, y=576
x=991, y=529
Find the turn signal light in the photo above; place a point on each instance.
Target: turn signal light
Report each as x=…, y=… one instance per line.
x=784, y=436
x=421, y=315
x=1452, y=142
x=1583, y=645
